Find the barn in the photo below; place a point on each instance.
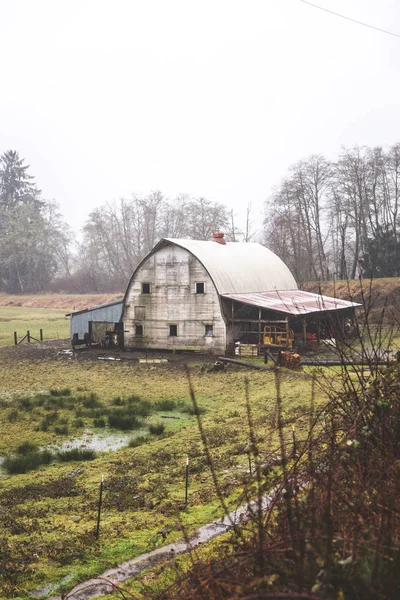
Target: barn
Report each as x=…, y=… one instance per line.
x=213, y=295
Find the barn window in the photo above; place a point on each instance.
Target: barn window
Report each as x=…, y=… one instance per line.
x=200, y=288
x=173, y=330
x=146, y=288
x=139, y=330
x=209, y=331
x=139, y=313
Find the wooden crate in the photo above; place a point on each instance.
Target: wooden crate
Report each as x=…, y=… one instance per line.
x=248, y=350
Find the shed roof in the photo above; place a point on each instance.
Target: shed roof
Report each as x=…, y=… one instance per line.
x=295, y=302
x=237, y=267
x=96, y=307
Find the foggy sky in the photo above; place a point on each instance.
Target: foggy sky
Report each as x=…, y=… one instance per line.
x=214, y=98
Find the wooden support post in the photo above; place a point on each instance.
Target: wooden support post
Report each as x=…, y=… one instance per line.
x=15, y=338
x=233, y=325
x=41, y=335
x=28, y=336
x=259, y=329
x=287, y=331
x=304, y=331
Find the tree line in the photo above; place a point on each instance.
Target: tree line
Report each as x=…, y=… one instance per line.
x=326, y=219
x=338, y=219
x=38, y=250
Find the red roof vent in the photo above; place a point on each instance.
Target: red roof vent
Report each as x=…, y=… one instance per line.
x=219, y=238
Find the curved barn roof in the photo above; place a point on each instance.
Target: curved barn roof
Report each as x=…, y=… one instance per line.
x=237, y=267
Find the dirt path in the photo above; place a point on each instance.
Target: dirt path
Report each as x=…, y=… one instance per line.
x=105, y=583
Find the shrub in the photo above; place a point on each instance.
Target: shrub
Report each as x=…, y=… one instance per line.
x=79, y=423
x=76, y=454
x=157, y=428
x=118, y=401
x=55, y=402
x=47, y=421
x=190, y=410
x=25, y=403
x=133, y=398
x=123, y=419
x=139, y=407
x=60, y=392
x=13, y=416
x=61, y=429
x=138, y=441
x=93, y=413
x=26, y=448
x=29, y=461
x=91, y=401
x=166, y=404
x=100, y=422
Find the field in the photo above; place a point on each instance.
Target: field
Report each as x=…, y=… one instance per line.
x=55, y=409
x=53, y=321
x=47, y=312
x=48, y=400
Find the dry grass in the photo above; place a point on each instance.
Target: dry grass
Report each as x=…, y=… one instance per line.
x=382, y=295
x=62, y=301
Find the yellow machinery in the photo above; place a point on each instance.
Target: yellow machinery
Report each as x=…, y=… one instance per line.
x=278, y=336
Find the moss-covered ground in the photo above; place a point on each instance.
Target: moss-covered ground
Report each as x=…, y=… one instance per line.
x=48, y=516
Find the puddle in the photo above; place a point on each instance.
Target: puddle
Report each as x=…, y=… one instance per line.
x=51, y=588
x=100, y=442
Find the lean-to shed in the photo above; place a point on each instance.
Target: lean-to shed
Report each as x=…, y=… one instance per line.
x=99, y=324
x=209, y=295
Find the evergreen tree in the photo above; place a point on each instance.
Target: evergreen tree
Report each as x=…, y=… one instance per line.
x=31, y=231
x=382, y=255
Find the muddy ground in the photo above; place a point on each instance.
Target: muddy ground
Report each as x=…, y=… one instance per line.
x=62, y=350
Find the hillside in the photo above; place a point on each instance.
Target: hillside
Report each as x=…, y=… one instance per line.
x=381, y=296
x=62, y=301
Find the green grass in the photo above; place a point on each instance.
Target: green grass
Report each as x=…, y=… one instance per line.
x=53, y=321
x=55, y=512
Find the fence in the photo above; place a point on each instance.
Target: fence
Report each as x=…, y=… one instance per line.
x=28, y=337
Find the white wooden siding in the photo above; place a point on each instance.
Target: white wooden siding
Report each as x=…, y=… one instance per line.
x=173, y=273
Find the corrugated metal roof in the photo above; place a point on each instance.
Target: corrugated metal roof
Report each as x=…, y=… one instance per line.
x=237, y=267
x=293, y=302
x=96, y=307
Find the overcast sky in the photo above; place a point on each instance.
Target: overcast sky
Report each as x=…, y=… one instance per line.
x=213, y=98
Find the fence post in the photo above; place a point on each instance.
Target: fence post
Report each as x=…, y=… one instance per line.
x=28, y=335
x=99, y=508
x=15, y=338
x=41, y=335
x=186, y=480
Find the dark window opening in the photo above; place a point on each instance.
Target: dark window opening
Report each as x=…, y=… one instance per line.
x=209, y=332
x=139, y=313
x=200, y=288
x=145, y=288
x=139, y=330
x=173, y=330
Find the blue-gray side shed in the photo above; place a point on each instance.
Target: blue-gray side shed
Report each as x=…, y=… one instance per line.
x=106, y=316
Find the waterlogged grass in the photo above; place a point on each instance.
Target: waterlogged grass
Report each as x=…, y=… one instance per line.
x=54, y=509
x=53, y=321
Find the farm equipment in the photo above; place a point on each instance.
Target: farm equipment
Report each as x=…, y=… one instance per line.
x=277, y=336
x=288, y=359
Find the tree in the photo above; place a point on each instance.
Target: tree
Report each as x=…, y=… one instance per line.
x=16, y=185
x=382, y=255
x=33, y=237
x=119, y=234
